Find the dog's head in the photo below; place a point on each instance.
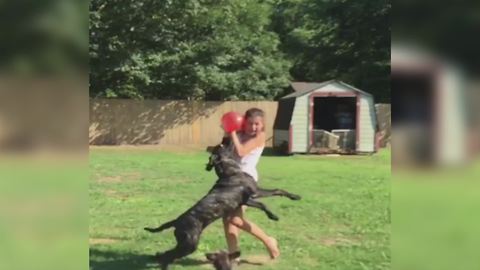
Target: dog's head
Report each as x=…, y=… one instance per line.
x=222, y=260
x=224, y=159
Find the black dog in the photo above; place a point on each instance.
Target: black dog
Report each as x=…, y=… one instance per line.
x=233, y=189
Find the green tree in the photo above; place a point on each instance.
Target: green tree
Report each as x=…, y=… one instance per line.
x=347, y=40
x=43, y=37
x=196, y=49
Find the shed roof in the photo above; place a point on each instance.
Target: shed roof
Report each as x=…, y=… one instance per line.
x=302, y=88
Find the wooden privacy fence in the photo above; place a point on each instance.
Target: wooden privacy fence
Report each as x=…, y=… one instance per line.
x=384, y=118
x=180, y=122
x=177, y=122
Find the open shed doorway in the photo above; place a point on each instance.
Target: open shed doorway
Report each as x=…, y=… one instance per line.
x=412, y=114
x=334, y=124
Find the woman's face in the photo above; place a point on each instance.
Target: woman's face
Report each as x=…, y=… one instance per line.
x=253, y=125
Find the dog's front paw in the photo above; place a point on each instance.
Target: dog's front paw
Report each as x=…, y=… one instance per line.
x=294, y=197
x=273, y=217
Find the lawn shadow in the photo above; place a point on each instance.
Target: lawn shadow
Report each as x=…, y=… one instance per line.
x=109, y=260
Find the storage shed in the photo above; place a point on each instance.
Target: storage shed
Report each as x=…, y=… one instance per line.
x=429, y=108
x=325, y=117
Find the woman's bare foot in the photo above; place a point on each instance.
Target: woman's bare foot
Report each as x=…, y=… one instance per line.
x=273, y=248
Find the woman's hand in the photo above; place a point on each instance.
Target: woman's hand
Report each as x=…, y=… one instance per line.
x=247, y=147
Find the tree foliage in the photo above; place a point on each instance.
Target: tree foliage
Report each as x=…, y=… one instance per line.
x=43, y=37
x=210, y=49
x=235, y=49
x=347, y=40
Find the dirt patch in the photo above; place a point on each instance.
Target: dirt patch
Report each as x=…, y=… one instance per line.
x=101, y=241
x=110, y=192
x=114, y=194
x=338, y=241
x=110, y=179
x=329, y=242
x=130, y=176
x=256, y=260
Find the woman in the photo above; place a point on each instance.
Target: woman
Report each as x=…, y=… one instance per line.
x=249, y=146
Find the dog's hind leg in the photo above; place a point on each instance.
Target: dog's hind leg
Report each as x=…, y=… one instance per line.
x=262, y=207
x=171, y=255
x=186, y=244
x=261, y=193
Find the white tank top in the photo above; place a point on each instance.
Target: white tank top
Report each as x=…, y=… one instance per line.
x=248, y=163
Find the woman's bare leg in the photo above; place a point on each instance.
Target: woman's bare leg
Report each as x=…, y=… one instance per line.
x=231, y=235
x=239, y=221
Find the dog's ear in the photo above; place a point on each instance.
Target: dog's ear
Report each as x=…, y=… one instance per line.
x=211, y=256
x=234, y=255
x=226, y=141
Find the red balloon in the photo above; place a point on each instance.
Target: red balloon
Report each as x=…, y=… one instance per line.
x=232, y=121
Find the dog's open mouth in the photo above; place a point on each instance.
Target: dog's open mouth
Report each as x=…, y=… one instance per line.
x=209, y=166
x=211, y=162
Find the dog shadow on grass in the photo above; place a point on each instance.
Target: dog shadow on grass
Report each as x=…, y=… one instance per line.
x=109, y=260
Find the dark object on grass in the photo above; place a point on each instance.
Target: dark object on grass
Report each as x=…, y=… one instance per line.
x=222, y=260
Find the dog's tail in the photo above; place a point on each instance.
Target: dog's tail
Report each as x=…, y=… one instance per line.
x=162, y=227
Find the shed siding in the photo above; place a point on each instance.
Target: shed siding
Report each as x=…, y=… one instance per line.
x=300, y=125
x=334, y=88
x=366, y=125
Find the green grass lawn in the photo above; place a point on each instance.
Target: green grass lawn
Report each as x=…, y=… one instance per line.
x=342, y=222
